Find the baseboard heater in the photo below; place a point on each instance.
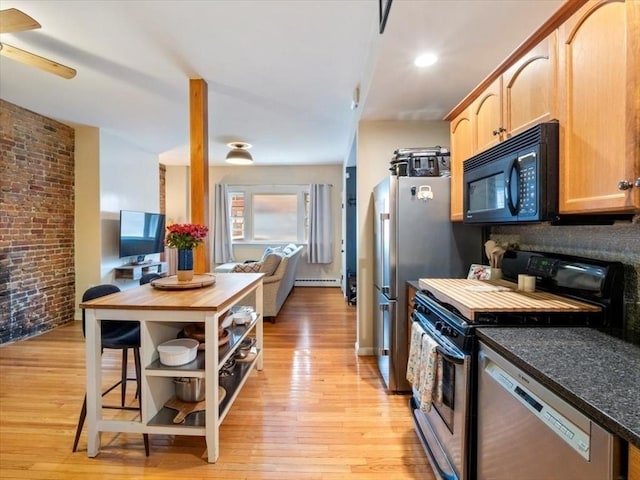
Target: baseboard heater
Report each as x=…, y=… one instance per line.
x=317, y=282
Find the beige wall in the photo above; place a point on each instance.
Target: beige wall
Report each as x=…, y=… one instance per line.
x=177, y=194
x=376, y=143
x=87, y=211
x=111, y=175
x=177, y=181
x=129, y=180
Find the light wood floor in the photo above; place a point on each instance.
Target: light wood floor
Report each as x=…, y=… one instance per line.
x=316, y=411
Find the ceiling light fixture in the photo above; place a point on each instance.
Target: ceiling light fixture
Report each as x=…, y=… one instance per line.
x=238, y=154
x=425, y=60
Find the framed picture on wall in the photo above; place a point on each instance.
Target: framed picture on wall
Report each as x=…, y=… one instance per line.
x=384, y=6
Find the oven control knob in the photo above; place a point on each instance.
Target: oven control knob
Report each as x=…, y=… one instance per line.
x=439, y=326
x=447, y=331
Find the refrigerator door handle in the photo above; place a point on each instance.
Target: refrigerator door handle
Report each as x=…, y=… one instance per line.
x=384, y=349
x=383, y=254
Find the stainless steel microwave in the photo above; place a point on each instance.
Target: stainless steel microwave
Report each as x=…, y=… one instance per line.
x=514, y=181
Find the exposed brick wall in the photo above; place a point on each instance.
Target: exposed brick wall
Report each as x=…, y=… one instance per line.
x=37, y=290
x=163, y=188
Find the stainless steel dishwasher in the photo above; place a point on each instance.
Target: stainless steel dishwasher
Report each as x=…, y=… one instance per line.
x=527, y=432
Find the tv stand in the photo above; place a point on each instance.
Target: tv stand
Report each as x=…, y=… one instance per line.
x=135, y=271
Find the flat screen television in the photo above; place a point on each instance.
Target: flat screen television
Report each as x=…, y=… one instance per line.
x=141, y=233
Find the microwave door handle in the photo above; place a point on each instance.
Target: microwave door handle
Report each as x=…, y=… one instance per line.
x=514, y=208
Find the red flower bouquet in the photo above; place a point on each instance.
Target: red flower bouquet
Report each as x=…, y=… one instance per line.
x=185, y=236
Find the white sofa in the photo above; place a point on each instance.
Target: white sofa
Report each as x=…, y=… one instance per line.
x=279, y=284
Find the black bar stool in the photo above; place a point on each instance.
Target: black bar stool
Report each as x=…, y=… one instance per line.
x=149, y=277
x=118, y=335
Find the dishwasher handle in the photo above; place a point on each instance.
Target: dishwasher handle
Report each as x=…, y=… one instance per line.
x=483, y=360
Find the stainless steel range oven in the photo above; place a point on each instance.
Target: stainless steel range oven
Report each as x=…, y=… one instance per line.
x=443, y=430
x=585, y=293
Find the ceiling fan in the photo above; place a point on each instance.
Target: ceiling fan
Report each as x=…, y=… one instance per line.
x=13, y=20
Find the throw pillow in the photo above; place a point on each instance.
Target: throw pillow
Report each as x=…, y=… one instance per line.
x=268, y=251
x=251, y=267
x=270, y=263
x=289, y=248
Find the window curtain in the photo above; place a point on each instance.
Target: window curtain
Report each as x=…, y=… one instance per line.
x=320, y=248
x=222, y=245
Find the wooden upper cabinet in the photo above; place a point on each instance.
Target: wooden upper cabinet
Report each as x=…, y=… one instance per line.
x=523, y=96
x=634, y=463
x=486, y=113
x=599, y=62
x=529, y=94
x=520, y=98
x=461, y=149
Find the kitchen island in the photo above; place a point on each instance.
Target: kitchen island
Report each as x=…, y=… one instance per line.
x=162, y=315
x=597, y=373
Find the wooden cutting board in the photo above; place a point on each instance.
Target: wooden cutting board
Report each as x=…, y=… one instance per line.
x=472, y=297
x=172, y=283
x=185, y=408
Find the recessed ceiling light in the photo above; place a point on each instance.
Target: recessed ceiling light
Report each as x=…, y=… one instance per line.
x=425, y=60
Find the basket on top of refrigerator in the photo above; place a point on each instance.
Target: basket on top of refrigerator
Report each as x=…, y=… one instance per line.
x=421, y=162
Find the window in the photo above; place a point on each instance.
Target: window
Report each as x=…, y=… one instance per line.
x=236, y=200
x=269, y=213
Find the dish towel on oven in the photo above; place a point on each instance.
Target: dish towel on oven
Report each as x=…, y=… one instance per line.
x=415, y=349
x=430, y=377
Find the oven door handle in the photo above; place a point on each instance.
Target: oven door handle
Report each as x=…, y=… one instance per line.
x=447, y=353
x=457, y=359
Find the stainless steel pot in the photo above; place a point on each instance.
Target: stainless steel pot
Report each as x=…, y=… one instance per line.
x=190, y=389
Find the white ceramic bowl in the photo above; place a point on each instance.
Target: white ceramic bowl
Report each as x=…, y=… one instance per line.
x=178, y=352
x=242, y=317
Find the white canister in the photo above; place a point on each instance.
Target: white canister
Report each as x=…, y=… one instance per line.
x=178, y=352
x=521, y=277
x=526, y=283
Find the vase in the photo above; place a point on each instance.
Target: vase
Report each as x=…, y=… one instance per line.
x=185, y=265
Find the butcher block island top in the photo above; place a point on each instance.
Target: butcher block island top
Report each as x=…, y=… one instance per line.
x=472, y=297
x=227, y=289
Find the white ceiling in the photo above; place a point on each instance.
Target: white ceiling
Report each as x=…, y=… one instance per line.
x=280, y=73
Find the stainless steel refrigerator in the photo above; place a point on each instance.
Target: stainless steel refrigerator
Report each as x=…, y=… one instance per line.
x=414, y=238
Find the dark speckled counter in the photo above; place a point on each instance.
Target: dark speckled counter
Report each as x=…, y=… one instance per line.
x=597, y=373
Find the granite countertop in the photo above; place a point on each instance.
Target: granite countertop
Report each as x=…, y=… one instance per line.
x=596, y=372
